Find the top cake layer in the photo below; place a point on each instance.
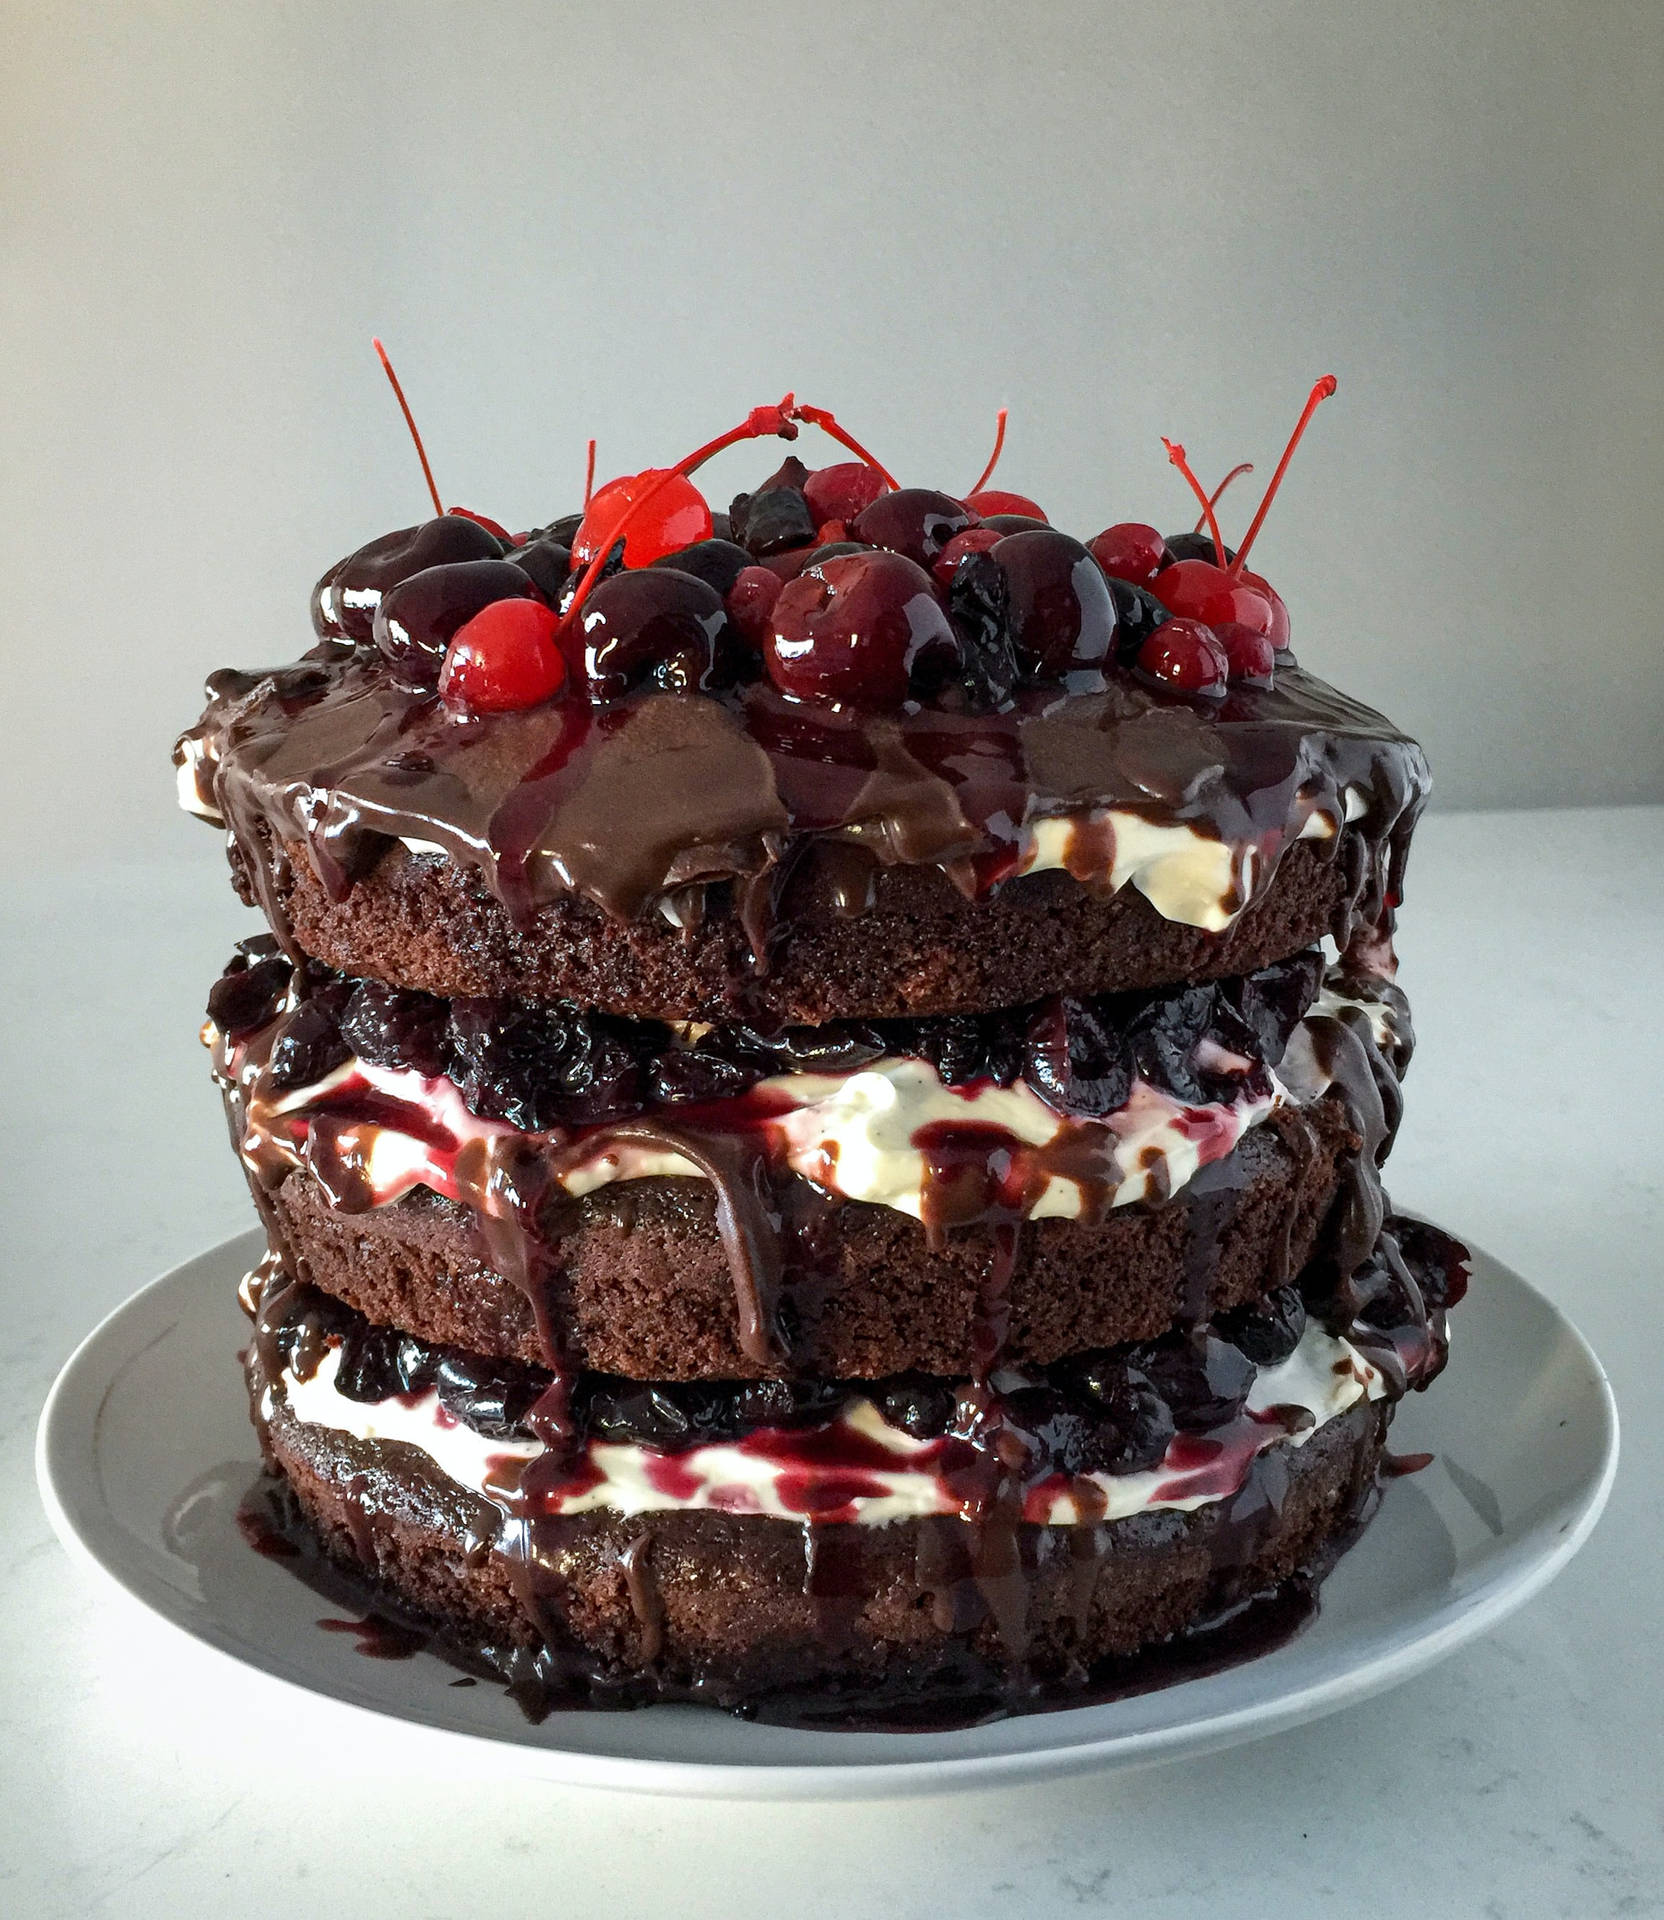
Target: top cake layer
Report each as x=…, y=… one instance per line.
x=675, y=854
x=917, y=763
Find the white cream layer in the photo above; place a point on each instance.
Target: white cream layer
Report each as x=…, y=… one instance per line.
x=1319, y=1381
x=1188, y=877
x=850, y=1134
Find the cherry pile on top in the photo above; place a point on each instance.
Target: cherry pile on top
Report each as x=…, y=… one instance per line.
x=833, y=584
x=1112, y=1410
x=544, y=1065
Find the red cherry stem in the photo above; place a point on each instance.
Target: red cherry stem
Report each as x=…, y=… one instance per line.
x=757, y=425
x=589, y=476
x=404, y=407
x=987, y=473
x=819, y=417
x=1175, y=453
x=1213, y=499
x=1321, y=392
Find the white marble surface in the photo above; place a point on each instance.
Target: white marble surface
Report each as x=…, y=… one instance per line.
x=141, y=1776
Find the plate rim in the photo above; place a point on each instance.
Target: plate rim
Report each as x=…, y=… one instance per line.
x=1494, y=1601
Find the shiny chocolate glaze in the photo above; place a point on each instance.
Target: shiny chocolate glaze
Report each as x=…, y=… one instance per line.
x=648, y=802
x=767, y=1215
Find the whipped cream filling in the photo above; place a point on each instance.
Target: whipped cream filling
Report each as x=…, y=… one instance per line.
x=891, y=1134
x=1188, y=877
x=194, y=779
x=856, y=1468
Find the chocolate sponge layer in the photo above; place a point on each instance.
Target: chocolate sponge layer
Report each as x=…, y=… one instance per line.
x=642, y=1287
x=727, y=1607
x=418, y=920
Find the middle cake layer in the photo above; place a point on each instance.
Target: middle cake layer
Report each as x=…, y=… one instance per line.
x=848, y=1202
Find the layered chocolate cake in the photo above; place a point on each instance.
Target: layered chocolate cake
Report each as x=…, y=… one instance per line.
x=817, y=1086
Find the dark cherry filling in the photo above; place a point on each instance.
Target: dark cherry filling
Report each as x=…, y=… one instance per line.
x=1111, y=1410
x=540, y=1065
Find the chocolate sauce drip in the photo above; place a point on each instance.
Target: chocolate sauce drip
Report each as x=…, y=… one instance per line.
x=663, y=795
x=980, y=1570
x=772, y=1222
x=636, y=1563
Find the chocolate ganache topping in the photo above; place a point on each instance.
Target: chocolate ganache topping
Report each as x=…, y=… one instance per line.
x=637, y=803
x=651, y=711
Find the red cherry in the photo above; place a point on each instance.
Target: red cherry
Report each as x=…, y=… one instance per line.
x=1184, y=654
x=677, y=517
x=505, y=658
x=972, y=540
x=1201, y=591
x=480, y=520
x=855, y=629
x=915, y=521
x=750, y=603
x=840, y=492
x=1279, y=607
x=985, y=500
x=1129, y=551
x=1251, y=656
x=993, y=500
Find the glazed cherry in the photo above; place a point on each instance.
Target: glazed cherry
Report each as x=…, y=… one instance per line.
x=859, y=630
x=417, y=620
x=546, y=562
x=1199, y=590
x=1137, y=615
x=1211, y=590
x=1196, y=545
x=504, y=658
x=1015, y=523
x=985, y=500
x=1252, y=656
x=1129, y=550
x=652, y=627
x=840, y=492
x=676, y=517
x=484, y=520
x=719, y=563
x=914, y=521
x=750, y=603
x=1062, y=616
x=972, y=540
x=1279, y=608
x=344, y=601
x=994, y=500
x=1185, y=655
x=777, y=520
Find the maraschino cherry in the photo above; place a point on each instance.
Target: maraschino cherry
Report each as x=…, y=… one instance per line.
x=1225, y=591
x=680, y=517
x=1131, y=550
x=839, y=493
x=504, y=659
x=462, y=513
x=1185, y=654
x=1207, y=590
x=984, y=500
x=972, y=540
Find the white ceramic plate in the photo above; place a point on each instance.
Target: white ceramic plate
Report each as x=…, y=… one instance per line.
x=145, y=1449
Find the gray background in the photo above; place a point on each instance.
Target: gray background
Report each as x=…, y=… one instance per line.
x=638, y=220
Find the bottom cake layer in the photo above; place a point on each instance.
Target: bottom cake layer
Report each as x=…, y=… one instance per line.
x=967, y=1618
